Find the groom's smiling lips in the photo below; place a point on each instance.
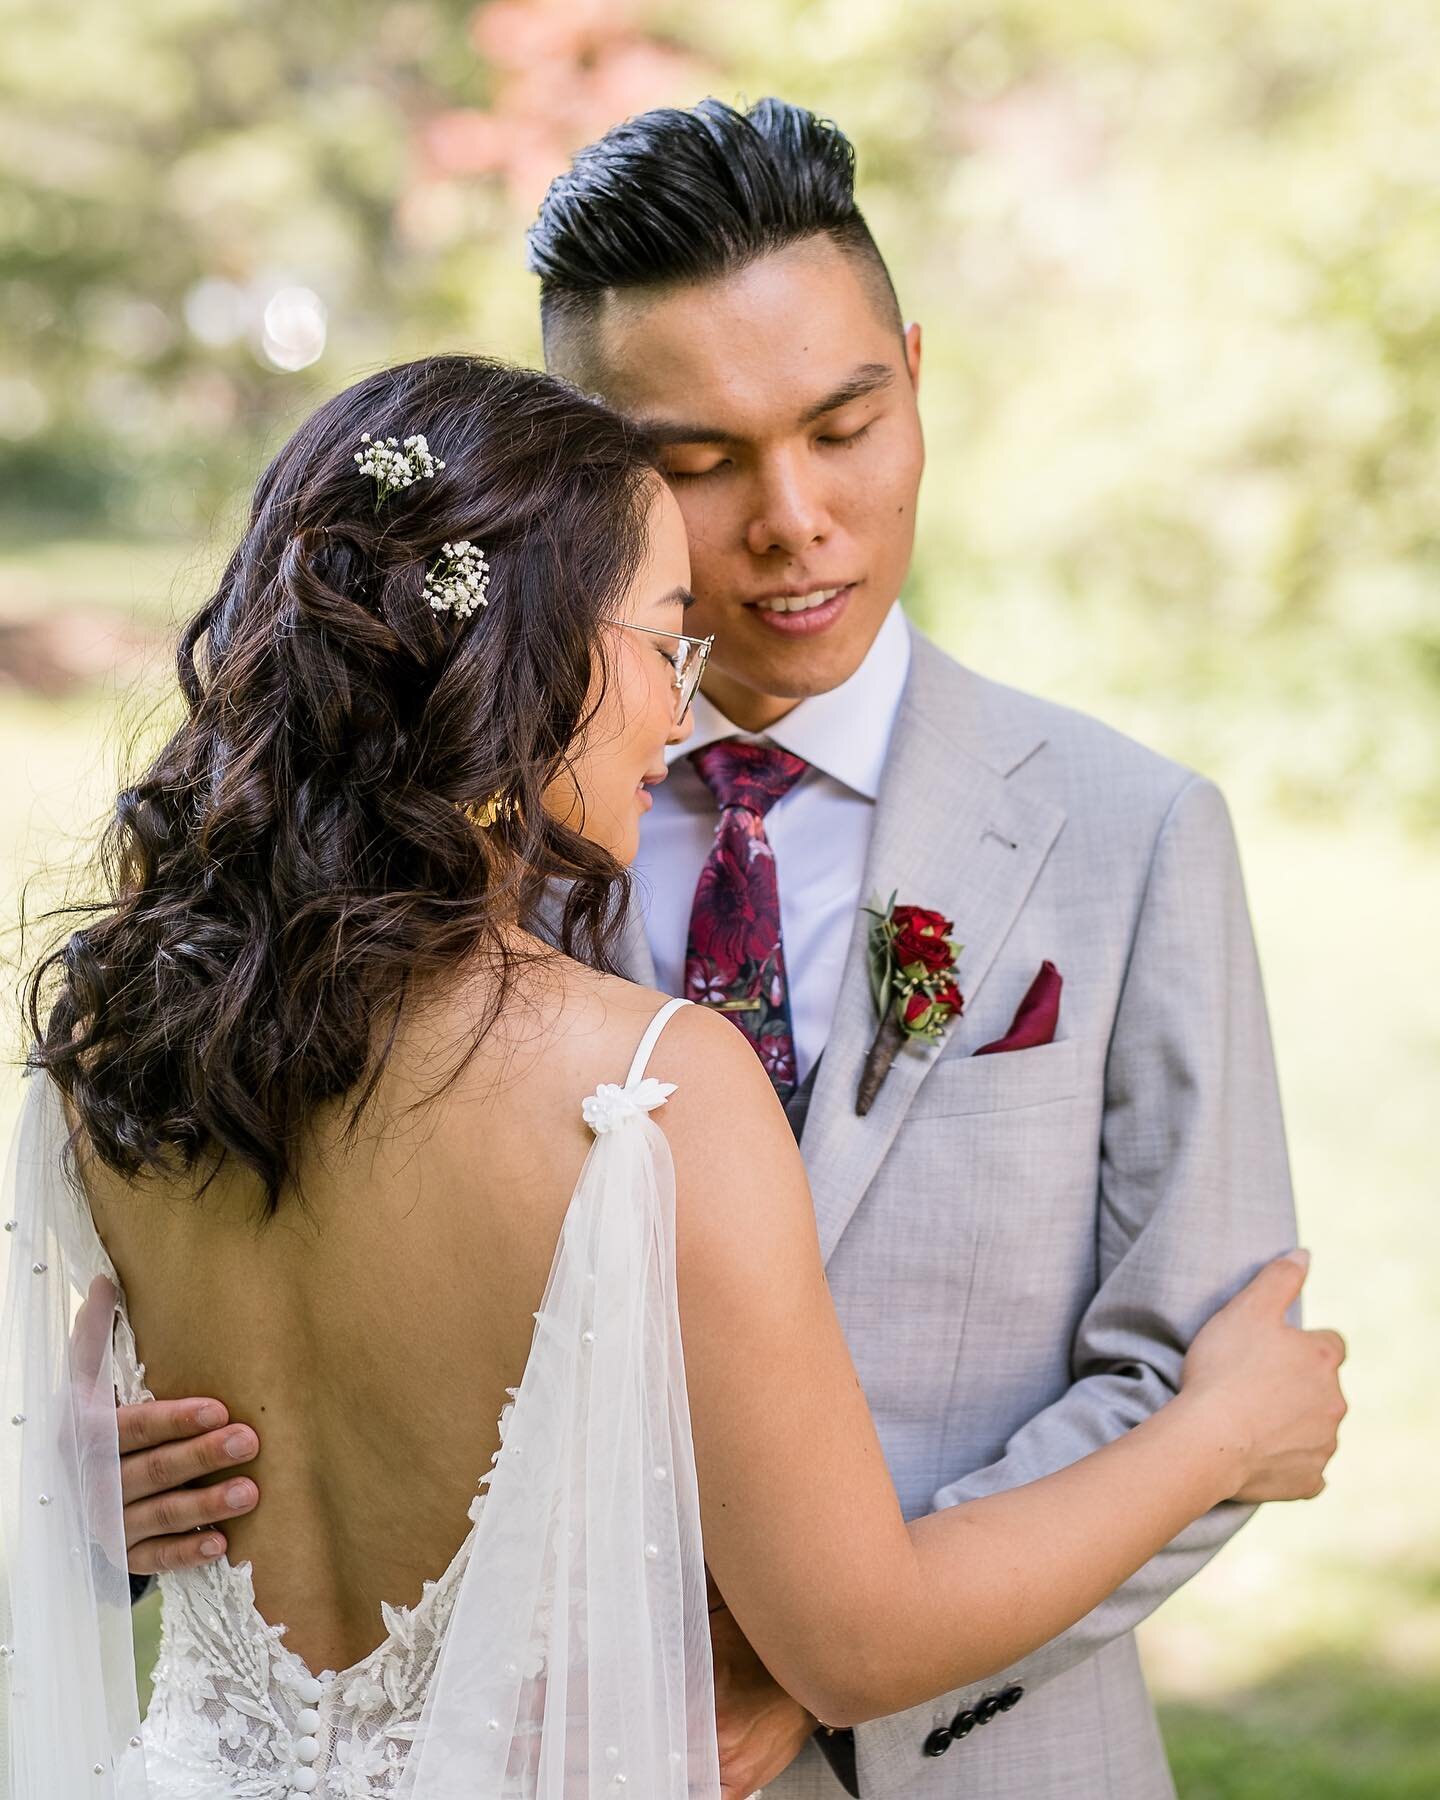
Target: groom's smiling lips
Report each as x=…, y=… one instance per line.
x=802, y=610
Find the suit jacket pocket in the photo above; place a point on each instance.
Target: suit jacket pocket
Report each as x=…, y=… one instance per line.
x=1001, y=1083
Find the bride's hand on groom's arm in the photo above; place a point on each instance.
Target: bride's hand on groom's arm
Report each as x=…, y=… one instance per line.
x=760, y=1729
x=1282, y=1384
x=165, y=1446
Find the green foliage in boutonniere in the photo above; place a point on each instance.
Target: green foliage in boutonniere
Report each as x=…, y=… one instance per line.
x=912, y=978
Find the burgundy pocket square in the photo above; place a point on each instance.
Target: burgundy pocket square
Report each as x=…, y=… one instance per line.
x=1034, y=1024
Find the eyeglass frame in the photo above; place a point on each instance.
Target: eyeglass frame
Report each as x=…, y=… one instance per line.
x=701, y=644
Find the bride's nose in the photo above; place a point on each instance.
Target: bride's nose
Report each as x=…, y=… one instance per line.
x=682, y=730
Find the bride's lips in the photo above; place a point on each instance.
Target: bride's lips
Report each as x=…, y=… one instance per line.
x=651, y=778
x=815, y=614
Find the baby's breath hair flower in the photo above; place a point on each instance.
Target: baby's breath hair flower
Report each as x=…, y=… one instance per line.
x=395, y=465
x=458, y=580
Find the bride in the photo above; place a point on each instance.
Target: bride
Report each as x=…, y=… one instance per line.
x=430, y=1194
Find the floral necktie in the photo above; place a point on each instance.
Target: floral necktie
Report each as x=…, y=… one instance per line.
x=734, y=960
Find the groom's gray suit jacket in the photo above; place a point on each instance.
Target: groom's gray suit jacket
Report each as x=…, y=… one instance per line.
x=1021, y=1246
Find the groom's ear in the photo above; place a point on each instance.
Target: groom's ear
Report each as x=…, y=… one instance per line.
x=912, y=355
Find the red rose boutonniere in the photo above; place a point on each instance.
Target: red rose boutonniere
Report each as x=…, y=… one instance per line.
x=912, y=976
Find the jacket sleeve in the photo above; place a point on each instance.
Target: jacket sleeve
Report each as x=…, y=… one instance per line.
x=1194, y=1198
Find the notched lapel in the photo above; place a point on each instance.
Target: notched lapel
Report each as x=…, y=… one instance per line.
x=949, y=834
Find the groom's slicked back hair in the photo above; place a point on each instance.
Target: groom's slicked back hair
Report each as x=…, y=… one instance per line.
x=674, y=197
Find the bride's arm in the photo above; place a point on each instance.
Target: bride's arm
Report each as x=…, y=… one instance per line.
x=854, y=1611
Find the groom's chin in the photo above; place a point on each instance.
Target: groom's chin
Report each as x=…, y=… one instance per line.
x=796, y=670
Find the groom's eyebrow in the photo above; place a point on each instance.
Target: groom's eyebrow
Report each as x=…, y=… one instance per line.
x=869, y=378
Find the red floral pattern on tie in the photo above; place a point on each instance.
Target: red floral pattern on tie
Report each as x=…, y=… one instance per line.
x=734, y=952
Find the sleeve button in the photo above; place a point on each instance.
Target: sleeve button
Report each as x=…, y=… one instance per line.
x=938, y=1742
x=988, y=1708
x=1012, y=1696
x=963, y=1724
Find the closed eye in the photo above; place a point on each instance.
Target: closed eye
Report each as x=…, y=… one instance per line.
x=696, y=474
x=671, y=658
x=849, y=440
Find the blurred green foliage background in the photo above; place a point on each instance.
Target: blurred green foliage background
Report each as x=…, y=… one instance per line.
x=1179, y=268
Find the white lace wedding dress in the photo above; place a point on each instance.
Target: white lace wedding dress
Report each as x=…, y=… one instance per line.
x=563, y=1655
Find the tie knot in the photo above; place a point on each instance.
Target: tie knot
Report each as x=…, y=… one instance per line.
x=750, y=775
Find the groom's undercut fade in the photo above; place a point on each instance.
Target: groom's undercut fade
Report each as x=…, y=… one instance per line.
x=680, y=196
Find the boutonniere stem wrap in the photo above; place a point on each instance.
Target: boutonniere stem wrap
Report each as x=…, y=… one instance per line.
x=912, y=962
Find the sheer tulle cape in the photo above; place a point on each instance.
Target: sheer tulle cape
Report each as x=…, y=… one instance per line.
x=578, y=1660
x=71, y=1715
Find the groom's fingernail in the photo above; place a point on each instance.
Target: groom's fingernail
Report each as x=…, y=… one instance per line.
x=239, y=1444
x=1298, y=1256
x=211, y=1546
x=239, y=1493
x=207, y=1417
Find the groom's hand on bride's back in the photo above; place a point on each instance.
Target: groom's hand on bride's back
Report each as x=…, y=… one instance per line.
x=167, y=1446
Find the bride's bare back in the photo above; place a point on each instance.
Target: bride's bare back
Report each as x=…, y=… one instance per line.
x=371, y=1334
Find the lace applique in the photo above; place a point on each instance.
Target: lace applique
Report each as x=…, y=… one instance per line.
x=236, y=1713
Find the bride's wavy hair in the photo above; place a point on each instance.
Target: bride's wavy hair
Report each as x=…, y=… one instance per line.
x=309, y=848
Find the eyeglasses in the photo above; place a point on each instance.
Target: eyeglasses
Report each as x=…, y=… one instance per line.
x=687, y=657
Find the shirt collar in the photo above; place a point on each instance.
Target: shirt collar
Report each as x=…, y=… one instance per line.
x=844, y=732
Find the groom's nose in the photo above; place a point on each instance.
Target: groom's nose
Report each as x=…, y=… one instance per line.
x=789, y=510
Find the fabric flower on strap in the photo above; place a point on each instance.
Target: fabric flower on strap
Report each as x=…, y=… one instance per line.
x=612, y=1106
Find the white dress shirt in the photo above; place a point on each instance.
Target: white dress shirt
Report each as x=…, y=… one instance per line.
x=819, y=831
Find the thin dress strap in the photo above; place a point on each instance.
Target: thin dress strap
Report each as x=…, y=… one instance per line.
x=647, y=1043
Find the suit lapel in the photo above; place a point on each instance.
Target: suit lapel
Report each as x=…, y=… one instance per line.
x=949, y=834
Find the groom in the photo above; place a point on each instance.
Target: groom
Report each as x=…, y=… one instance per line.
x=1035, y=1216
x=1021, y=1243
